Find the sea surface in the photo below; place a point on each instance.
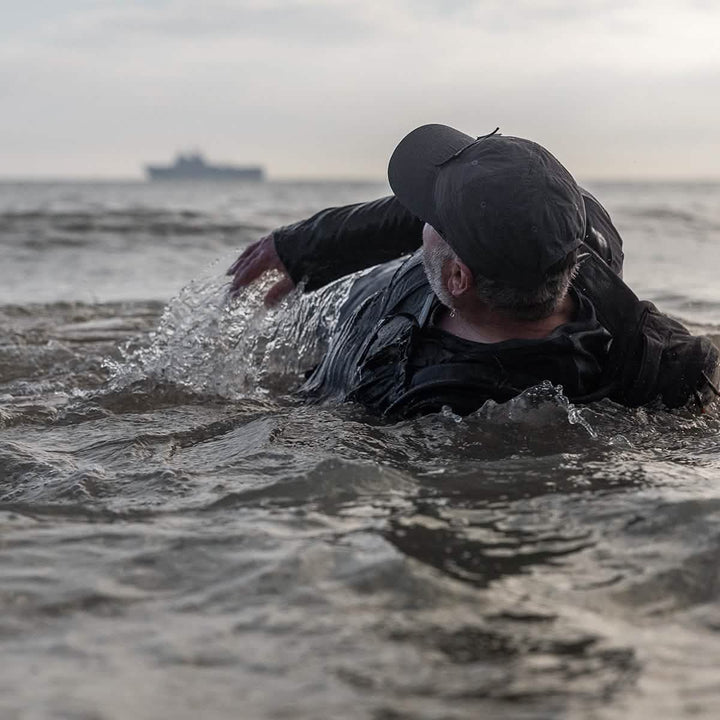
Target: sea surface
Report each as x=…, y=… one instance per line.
x=181, y=538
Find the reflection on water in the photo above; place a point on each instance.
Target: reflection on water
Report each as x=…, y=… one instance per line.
x=180, y=537
x=188, y=524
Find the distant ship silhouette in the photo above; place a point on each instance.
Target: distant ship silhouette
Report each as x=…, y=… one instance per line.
x=192, y=166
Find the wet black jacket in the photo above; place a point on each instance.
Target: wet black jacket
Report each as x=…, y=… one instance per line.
x=342, y=240
x=387, y=355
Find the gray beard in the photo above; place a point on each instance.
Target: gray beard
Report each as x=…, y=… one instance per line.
x=433, y=263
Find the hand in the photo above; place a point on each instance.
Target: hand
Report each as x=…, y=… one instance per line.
x=256, y=260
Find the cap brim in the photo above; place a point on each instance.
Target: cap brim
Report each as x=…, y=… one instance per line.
x=414, y=166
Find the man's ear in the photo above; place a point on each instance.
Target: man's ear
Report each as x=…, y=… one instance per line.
x=459, y=278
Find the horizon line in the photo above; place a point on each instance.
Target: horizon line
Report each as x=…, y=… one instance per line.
x=9, y=179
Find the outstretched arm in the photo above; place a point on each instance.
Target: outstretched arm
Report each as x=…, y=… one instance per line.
x=329, y=245
x=339, y=241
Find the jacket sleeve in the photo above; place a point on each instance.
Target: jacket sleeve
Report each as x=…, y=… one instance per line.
x=341, y=240
x=601, y=235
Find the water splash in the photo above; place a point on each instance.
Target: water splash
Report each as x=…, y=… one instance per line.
x=209, y=343
x=544, y=403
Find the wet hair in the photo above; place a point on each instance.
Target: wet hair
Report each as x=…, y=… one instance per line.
x=519, y=303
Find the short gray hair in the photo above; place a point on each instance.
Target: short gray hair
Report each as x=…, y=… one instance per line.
x=523, y=304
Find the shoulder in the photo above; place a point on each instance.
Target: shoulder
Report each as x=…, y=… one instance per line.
x=601, y=234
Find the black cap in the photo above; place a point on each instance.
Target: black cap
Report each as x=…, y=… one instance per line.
x=507, y=207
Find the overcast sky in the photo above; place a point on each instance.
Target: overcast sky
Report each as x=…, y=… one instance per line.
x=308, y=88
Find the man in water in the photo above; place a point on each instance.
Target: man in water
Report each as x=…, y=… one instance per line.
x=517, y=280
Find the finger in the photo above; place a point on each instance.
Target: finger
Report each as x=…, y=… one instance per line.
x=250, y=270
x=249, y=250
x=278, y=291
x=265, y=258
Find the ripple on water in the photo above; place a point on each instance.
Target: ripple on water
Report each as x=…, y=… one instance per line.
x=189, y=525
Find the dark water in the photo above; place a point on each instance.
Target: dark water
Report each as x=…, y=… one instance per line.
x=180, y=538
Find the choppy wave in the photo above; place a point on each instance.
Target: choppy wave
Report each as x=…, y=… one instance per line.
x=38, y=230
x=181, y=537
x=512, y=563
x=672, y=218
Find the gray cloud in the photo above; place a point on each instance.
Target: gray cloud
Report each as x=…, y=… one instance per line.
x=316, y=87
x=298, y=22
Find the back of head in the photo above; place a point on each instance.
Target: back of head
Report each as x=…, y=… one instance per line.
x=532, y=303
x=517, y=303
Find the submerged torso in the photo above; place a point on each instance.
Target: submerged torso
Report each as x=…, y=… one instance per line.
x=388, y=355
x=392, y=343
